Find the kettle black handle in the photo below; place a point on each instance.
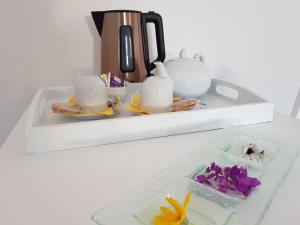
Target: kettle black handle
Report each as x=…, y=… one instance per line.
x=155, y=18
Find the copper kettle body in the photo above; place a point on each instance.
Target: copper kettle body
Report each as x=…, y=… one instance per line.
x=124, y=42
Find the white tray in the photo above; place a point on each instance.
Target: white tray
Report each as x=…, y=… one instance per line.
x=226, y=104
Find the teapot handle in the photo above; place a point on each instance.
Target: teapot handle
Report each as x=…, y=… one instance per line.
x=199, y=56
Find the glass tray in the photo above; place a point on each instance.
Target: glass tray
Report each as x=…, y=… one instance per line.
x=208, y=207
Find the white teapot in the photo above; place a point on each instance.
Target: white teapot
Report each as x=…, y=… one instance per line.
x=157, y=91
x=190, y=76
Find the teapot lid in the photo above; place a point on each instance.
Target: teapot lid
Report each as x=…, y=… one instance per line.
x=183, y=57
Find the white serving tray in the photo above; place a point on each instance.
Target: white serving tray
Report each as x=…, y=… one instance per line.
x=226, y=104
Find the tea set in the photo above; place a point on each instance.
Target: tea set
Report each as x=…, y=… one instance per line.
x=185, y=78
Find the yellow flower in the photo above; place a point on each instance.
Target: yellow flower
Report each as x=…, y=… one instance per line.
x=72, y=100
x=169, y=217
x=135, y=100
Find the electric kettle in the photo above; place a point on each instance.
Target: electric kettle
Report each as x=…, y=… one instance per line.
x=124, y=43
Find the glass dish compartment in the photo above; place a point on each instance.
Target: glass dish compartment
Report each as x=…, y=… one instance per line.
x=240, y=143
x=230, y=198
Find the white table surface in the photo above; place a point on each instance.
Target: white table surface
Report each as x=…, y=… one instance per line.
x=61, y=188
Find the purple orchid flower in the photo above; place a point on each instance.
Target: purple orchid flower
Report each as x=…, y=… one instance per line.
x=222, y=185
x=215, y=168
x=229, y=178
x=201, y=179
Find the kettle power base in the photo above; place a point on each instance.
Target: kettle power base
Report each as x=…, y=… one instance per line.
x=226, y=104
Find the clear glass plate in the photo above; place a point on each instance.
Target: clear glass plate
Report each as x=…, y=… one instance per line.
x=140, y=206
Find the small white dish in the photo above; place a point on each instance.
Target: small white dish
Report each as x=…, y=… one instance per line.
x=88, y=116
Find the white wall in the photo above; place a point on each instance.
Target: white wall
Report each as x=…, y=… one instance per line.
x=254, y=43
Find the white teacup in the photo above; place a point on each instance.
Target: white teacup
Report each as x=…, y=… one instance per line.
x=157, y=91
x=156, y=100
x=91, y=93
x=153, y=100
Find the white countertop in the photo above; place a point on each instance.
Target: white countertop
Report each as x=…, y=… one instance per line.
x=66, y=187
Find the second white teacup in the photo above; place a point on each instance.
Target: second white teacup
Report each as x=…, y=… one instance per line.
x=91, y=93
x=156, y=92
x=156, y=100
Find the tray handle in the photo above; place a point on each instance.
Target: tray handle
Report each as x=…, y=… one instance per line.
x=233, y=92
